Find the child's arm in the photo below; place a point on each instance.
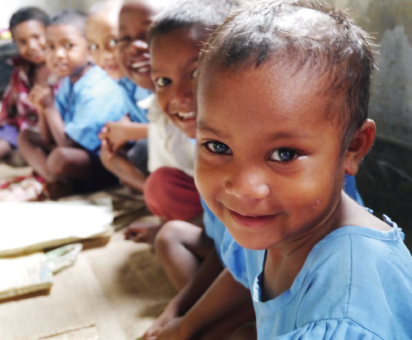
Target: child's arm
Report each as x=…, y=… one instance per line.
x=39, y=96
x=223, y=296
x=120, y=132
x=51, y=122
x=186, y=298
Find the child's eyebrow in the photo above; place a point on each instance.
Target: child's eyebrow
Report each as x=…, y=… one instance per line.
x=201, y=125
x=287, y=135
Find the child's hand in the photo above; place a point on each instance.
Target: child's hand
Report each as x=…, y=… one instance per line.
x=171, y=331
x=106, y=155
x=166, y=317
x=41, y=97
x=114, y=133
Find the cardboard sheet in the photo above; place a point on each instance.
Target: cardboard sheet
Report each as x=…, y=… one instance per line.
x=30, y=227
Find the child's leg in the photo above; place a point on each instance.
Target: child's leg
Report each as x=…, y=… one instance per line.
x=34, y=150
x=181, y=248
x=170, y=194
x=68, y=163
x=126, y=172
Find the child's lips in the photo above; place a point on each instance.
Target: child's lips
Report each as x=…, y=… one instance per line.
x=251, y=220
x=183, y=116
x=141, y=66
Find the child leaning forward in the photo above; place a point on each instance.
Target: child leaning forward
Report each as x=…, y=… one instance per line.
x=317, y=264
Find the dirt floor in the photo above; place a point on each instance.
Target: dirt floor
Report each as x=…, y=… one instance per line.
x=118, y=286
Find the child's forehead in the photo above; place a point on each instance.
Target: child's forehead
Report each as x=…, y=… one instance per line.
x=64, y=31
x=274, y=90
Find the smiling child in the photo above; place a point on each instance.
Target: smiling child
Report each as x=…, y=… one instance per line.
x=28, y=29
x=272, y=153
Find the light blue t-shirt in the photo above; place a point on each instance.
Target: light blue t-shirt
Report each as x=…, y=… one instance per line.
x=213, y=228
x=88, y=104
x=230, y=252
x=132, y=95
x=356, y=284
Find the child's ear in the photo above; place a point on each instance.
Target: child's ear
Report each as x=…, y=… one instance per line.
x=359, y=146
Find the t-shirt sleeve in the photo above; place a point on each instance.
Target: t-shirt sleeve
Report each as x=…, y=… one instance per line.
x=335, y=329
x=92, y=111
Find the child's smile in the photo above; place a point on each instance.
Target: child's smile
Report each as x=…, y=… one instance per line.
x=30, y=39
x=269, y=163
x=174, y=64
x=133, y=54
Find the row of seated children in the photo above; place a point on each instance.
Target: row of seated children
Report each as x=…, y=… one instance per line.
x=274, y=186
x=293, y=256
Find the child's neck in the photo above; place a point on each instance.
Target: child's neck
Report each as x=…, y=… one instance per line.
x=285, y=261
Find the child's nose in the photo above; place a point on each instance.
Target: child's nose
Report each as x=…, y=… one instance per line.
x=33, y=44
x=246, y=183
x=183, y=95
x=60, y=52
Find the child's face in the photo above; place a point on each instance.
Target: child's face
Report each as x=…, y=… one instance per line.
x=67, y=51
x=102, y=33
x=174, y=63
x=269, y=164
x=133, y=53
x=30, y=39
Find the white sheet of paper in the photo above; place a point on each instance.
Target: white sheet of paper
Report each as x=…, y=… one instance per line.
x=33, y=226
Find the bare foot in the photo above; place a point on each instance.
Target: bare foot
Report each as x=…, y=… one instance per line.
x=56, y=190
x=142, y=232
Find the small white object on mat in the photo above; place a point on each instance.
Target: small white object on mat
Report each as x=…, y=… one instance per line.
x=32, y=226
x=24, y=275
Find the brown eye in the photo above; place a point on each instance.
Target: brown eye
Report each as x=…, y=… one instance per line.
x=162, y=82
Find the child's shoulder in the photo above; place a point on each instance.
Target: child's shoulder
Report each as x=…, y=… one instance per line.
x=360, y=274
x=96, y=81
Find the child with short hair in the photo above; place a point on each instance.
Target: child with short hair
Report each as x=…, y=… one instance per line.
x=28, y=29
x=102, y=31
x=169, y=191
x=190, y=254
x=65, y=152
x=131, y=168
x=318, y=265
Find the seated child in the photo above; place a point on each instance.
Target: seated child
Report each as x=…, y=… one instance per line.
x=318, y=265
x=189, y=254
x=169, y=190
x=65, y=152
x=28, y=29
x=132, y=56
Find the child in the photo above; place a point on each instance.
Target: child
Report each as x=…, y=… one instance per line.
x=102, y=30
x=65, y=153
x=271, y=170
x=133, y=23
x=190, y=255
x=169, y=191
x=28, y=29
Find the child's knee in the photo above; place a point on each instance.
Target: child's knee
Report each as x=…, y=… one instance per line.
x=58, y=161
x=166, y=237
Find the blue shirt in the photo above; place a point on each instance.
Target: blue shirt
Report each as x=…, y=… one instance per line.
x=355, y=284
x=88, y=104
x=132, y=95
x=213, y=228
